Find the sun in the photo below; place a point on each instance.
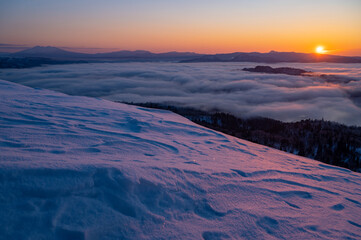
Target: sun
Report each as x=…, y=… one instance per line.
x=320, y=50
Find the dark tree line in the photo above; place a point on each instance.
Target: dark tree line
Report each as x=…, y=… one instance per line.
x=28, y=62
x=326, y=141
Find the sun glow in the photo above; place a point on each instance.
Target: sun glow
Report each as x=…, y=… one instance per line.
x=320, y=50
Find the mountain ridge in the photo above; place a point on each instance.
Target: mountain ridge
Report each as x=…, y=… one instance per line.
x=54, y=52
x=187, y=57
x=274, y=57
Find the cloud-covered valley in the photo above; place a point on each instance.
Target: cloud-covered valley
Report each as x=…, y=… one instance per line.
x=210, y=86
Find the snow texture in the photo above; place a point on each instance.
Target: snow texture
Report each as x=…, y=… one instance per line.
x=86, y=168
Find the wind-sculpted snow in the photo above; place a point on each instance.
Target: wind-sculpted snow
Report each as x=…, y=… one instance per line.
x=86, y=168
x=334, y=93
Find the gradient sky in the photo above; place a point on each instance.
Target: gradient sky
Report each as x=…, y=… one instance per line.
x=205, y=26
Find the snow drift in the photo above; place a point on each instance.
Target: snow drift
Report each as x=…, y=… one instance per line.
x=86, y=168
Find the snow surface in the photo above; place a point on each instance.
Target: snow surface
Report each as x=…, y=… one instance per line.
x=85, y=168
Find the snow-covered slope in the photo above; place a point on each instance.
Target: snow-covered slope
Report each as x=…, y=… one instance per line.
x=85, y=168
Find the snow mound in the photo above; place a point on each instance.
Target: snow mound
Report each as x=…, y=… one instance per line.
x=86, y=168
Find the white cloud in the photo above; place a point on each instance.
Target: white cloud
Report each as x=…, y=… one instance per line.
x=210, y=86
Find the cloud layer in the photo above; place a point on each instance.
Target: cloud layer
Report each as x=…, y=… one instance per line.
x=210, y=86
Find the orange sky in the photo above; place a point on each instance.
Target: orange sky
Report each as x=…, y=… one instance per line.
x=200, y=26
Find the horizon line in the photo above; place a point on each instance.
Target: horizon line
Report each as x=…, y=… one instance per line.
x=13, y=48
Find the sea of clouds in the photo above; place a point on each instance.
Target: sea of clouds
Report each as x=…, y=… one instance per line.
x=211, y=86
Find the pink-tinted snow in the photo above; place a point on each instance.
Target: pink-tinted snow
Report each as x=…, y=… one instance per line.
x=86, y=168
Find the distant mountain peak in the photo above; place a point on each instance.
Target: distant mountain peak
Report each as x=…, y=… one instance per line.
x=48, y=52
x=43, y=49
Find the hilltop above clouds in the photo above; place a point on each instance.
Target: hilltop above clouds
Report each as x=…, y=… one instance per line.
x=85, y=168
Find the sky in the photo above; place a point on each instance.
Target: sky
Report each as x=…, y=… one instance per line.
x=204, y=26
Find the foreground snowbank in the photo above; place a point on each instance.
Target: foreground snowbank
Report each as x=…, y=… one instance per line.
x=84, y=168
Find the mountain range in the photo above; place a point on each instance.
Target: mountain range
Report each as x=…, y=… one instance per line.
x=184, y=57
x=274, y=57
x=57, y=53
